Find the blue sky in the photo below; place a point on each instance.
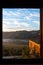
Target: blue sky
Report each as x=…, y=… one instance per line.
x=16, y=19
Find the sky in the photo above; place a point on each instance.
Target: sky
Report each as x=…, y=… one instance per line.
x=18, y=19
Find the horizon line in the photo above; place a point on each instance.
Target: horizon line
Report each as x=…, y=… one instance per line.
x=19, y=30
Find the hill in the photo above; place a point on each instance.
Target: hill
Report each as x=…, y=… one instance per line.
x=33, y=35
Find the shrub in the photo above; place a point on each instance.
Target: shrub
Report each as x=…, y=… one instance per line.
x=6, y=52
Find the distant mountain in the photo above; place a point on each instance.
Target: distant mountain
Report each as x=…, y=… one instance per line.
x=33, y=35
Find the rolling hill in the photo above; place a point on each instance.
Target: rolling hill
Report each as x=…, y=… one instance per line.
x=33, y=35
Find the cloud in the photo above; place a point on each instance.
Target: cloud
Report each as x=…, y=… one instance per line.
x=18, y=19
x=23, y=9
x=20, y=24
x=35, y=14
x=14, y=13
x=16, y=22
x=34, y=9
x=27, y=17
x=25, y=24
x=16, y=29
x=36, y=22
x=11, y=13
x=4, y=12
x=4, y=27
x=6, y=21
x=15, y=26
x=19, y=27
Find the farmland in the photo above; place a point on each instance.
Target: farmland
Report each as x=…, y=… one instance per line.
x=18, y=50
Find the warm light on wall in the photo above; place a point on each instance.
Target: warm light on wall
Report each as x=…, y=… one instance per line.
x=34, y=45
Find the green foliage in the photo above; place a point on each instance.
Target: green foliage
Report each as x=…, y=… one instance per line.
x=37, y=55
x=6, y=52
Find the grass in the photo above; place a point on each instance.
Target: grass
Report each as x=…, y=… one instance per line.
x=11, y=49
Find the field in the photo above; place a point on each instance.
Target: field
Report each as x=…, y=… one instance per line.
x=18, y=51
